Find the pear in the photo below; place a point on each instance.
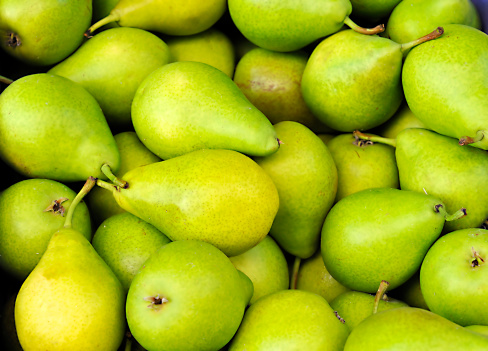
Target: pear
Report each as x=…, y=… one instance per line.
x=290, y=320
x=336, y=82
x=125, y=242
x=133, y=154
x=381, y=234
x=212, y=47
x=410, y=328
x=271, y=81
x=444, y=84
x=31, y=211
x=454, y=278
x=51, y=127
x=411, y=19
x=169, y=17
x=186, y=106
x=109, y=67
x=288, y=25
x=217, y=196
x=266, y=266
x=362, y=164
x=43, y=32
x=402, y=119
x=79, y=300
x=188, y=295
x=305, y=175
x=373, y=10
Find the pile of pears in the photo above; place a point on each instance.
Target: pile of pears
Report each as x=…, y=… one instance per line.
x=244, y=175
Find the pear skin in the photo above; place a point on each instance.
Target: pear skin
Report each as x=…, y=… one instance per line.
x=402, y=119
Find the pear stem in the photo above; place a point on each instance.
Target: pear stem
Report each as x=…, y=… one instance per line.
x=433, y=35
x=294, y=273
x=465, y=140
x=6, y=80
x=89, y=184
x=106, y=185
x=382, y=140
x=450, y=217
x=369, y=31
x=112, y=17
x=108, y=173
x=380, y=294
x=128, y=344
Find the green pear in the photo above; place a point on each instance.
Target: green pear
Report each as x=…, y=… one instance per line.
x=266, y=266
x=287, y=25
x=51, y=127
x=125, y=242
x=218, y=196
x=454, y=278
x=313, y=276
x=212, y=47
x=305, y=175
x=402, y=119
x=336, y=83
x=410, y=328
x=373, y=10
x=444, y=84
x=109, y=67
x=290, y=320
x=43, y=32
x=411, y=19
x=410, y=292
x=381, y=234
x=186, y=106
x=30, y=212
x=169, y=17
x=362, y=164
x=79, y=301
x=187, y=295
x=133, y=154
x=271, y=81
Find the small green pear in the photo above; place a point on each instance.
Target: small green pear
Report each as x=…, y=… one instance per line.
x=305, y=175
x=187, y=295
x=109, y=67
x=186, y=106
x=218, y=196
x=290, y=320
x=125, y=242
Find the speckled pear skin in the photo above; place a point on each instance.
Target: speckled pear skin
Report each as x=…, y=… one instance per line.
x=112, y=65
x=80, y=302
x=47, y=30
x=398, y=226
x=337, y=81
x=51, y=127
x=186, y=106
x=288, y=25
x=428, y=161
x=217, y=196
x=444, y=83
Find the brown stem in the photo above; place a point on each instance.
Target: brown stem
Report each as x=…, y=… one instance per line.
x=433, y=35
x=465, y=140
x=379, y=294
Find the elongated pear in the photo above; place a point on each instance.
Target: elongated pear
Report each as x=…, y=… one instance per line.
x=186, y=106
x=218, y=196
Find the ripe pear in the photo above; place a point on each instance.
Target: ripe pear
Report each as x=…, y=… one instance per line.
x=454, y=276
x=305, y=175
x=186, y=106
x=187, y=295
x=212, y=47
x=43, y=32
x=336, y=83
x=109, y=67
x=290, y=320
x=271, y=81
x=444, y=84
x=381, y=234
x=31, y=211
x=289, y=25
x=362, y=164
x=51, y=127
x=217, y=196
x=171, y=17
x=125, y=242
x=410, y=328
x=266, y=266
